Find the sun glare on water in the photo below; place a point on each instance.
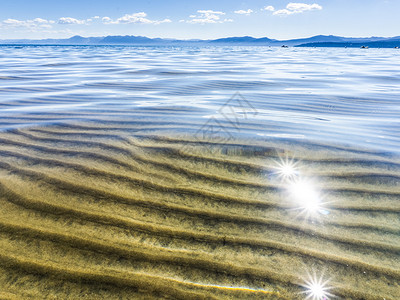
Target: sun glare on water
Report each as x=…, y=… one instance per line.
x=286, y=169
x=304, y=193
x=300, y=189
x=317, y=288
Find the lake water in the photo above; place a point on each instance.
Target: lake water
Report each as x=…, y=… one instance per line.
x=199, y=173
x=339, y=96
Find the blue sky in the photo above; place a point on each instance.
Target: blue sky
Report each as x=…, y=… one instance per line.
x=198, y=19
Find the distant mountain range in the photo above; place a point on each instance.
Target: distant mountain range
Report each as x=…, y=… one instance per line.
x=315, y=41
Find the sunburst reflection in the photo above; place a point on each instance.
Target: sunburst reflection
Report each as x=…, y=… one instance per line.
x=302, y=191
x=307, y=198
x=305, y=194
x=317, y=288
x=286, y=169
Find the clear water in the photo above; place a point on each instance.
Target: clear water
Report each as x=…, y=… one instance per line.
x=338, y=96
x=101, y=199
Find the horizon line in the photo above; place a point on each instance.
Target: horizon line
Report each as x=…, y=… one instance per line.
x=200, y=39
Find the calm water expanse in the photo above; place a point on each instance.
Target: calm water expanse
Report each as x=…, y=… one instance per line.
x=199, y=173
x=345, y=96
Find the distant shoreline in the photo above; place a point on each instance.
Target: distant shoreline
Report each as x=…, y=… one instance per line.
x=353, y=45
x=311, y=45
x=315, y=41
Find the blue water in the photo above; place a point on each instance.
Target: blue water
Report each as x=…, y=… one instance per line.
x=336, y=96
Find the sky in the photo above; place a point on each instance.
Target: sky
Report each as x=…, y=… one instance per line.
x=206, y=19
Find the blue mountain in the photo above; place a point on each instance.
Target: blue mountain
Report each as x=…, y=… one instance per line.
x=315, y=41
x=241, y=40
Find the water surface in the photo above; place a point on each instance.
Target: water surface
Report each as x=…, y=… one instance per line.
x=199, y=173
x=344, y=96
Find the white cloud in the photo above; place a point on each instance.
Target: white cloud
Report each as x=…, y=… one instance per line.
x=96, y=17
x=296, y=8
x=283, y=12
x=13, y=22
x=300, y=7
x=32, y=24
x=269, y=8
x=40, y=21
x=243, y=12
x=69, y=21
x=208, y=16
x=138, y=18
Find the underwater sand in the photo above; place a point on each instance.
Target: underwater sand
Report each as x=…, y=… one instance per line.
x=113, y=184
x=91, y=212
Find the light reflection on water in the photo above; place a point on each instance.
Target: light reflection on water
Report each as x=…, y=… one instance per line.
x=328, y=95
x=332, y=96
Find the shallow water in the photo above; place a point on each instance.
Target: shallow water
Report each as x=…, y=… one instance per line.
x=344, y=96
x=199, y=173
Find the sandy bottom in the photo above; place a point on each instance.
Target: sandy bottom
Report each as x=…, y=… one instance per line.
x=95, y=213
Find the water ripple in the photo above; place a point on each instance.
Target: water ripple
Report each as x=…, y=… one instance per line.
x=335, y=95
